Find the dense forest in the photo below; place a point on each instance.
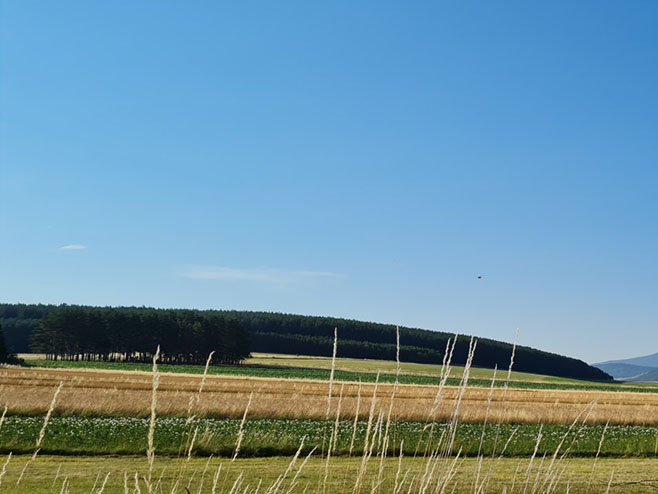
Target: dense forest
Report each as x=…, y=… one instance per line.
x=184, y=336
x=5, y=356
x=309, y=335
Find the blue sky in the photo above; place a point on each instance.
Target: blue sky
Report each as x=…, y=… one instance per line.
x=357, y=159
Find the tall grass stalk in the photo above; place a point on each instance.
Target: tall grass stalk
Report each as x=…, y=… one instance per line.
x=383, y=441
x=477, y=486
x=446, y=369
x=553, y=470
x=396, y=484
x=598, y=452
x=331, y=387
x=102, y=487
x=334, y=435
x=203, y=475
x=238, y=442
x=190, y=435
x=59, y=469
x=98, y=476
x=215, y=479
x=42, y=433
x=504, y=398
x=65, y=486
x=452, y=427
x=440, y=458
x=293, y=482
x=356, y=418
x=501, y=416
x=532, y=459
x=3, y=471
x=366, y=446
x=612, y=474
x=236, y=485
x=196, y=398
x=150, y=452
x=276, y=485
x=137, y=490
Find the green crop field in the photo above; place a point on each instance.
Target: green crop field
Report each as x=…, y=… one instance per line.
x=128, y=435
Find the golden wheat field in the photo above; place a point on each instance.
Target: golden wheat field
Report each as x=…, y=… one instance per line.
x=101, y=392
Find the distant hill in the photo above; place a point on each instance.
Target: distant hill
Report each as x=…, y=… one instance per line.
x=652, y=375
x=632, y=369
x=623, y=371
x=311, y=335
x=646, y=361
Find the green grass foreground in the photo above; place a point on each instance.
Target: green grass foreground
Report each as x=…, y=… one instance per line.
x=53, y=474
x=341, y=375
x=127, y=436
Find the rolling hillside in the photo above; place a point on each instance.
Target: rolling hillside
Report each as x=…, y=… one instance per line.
x=310, y=335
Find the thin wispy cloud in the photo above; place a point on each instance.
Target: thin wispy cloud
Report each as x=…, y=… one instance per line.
x=73, y=247
x=261, y=275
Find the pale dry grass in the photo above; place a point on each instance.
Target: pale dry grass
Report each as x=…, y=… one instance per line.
x=30, y=391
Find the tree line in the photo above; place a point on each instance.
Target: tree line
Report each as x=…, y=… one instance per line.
x=132, y=335
x=313, y=335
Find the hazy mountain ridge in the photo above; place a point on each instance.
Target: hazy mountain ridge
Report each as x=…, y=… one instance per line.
x=643, y=368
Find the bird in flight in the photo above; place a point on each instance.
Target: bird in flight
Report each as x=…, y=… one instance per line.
x=480, y=277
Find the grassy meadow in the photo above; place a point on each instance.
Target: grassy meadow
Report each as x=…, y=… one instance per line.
x=55, y=474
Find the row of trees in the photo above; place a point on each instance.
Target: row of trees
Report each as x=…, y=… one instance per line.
x=133, y=334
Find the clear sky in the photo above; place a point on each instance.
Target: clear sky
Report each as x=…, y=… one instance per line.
x=357, y=159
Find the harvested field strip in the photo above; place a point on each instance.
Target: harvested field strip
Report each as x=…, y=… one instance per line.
x=125, y=435
x=111, y=393
x=341, y=375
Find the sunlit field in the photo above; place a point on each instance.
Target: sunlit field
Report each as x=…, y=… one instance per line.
x=124, y=393
x=204, y=430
